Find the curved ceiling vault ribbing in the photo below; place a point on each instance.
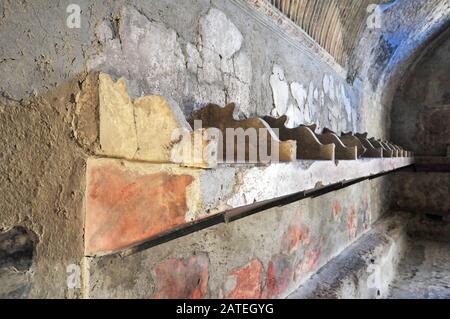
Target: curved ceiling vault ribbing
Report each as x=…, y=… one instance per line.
x=333, y=24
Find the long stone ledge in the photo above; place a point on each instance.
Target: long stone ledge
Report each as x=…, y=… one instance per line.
x=128, y=203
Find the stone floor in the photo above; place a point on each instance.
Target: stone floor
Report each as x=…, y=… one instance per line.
x=424, y=271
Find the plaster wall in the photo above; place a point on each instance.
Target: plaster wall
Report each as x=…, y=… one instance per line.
x=193, y=52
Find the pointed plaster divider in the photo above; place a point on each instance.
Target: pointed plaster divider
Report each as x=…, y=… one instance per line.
x=117, y=124
x=372, y=151
x=350, y=140
x=215, y=116
x=401, y=151
x=386, y=146
x=387, y=152
x=308, y=145
x=343, y=152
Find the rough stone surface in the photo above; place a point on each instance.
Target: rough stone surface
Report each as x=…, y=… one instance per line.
x=385, y=53
x=182, y=279
x=421, y=107
x=236, y=249
x=422, y=192
x=363, y=270
x=42, y=180
x=222, y=74
x=244, y=283
x=155, y=60
x=17, y=249
x=423, y=273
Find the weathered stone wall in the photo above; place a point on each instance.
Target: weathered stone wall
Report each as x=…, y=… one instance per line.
x=193, y=52
x=422, y=192
x=265, y=255
x=421, y=122
x=404, y=102
x=421, y=107
x=216, y=62
x=386, y=50
x=42, y=185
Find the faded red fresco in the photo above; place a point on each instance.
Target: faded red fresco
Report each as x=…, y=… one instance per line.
x=337, y=208
x=278, y=278
x=182, y=278
x=352, y=223
x=366, y=200
x=367, y=216
x=125, y=207
x=248, y=281
x=310, y=260
x=295, y=234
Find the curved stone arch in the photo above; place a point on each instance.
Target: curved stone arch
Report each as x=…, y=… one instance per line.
x=408, y=55
x=420, y=107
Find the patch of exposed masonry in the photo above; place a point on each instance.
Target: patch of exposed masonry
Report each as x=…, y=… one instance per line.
x=17, y=249
x=303, y=103
x=154, y=59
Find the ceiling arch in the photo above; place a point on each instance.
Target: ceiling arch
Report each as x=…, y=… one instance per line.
x=334, y=24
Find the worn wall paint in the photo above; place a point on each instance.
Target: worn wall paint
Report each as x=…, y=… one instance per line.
x=327, y=104
x=182, y=278
x=421, y=122
x=141, y=205
x=43, y=162
x=421, y=107
x=421, y=192
x=42, y=178
x=268, y=254
x=211, y=70
x=245, y=282
x=384, y=54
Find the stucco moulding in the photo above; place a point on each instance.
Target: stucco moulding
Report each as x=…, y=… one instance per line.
x=264, y=141
x=309, y=147
x=143, y=129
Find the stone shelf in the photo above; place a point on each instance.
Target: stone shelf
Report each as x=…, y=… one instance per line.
x=129, y=202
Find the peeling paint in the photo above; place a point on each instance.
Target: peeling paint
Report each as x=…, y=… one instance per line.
x=296, y=234
x=280, y=91
x=310, y=261
x=245, y=283
x=278, y=277
x=352, y=223
x=182, y=278
x=119, y=202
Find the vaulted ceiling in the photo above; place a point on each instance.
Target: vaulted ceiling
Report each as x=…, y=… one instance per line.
x=334, y=24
